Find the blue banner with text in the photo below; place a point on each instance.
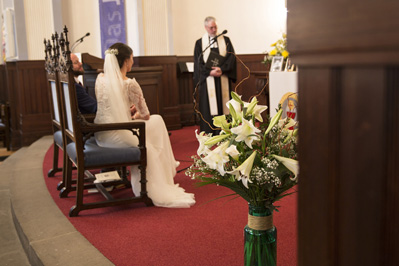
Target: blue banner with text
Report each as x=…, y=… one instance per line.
x=112, y=23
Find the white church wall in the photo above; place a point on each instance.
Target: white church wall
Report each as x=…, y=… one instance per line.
x=155, y=27
x=252, y=25
x=39, y=25
x=81, y=17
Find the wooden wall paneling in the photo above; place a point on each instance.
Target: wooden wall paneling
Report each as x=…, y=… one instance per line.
x=362, y=173
x=186, y=93
x=29, y=106
x=177, y=111
x=151, y=83
x=149, y=78
x=25, y=84
x=326, y=33
x=348, y=187
x=248, y=88
x=3, y=84
x=170, y=93
x=317, y=82
x=13, y=96
x=391, y=214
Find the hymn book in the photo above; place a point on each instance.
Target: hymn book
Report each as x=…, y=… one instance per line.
x=214, y=60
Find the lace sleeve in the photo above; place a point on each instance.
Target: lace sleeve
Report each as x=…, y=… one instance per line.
x=103, y=105
x=136, y=97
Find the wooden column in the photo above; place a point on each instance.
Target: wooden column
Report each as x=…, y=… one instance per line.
x=348, y=58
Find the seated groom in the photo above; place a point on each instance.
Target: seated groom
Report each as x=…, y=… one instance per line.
x=86, y=103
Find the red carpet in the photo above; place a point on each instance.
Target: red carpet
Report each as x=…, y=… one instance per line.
x=209, y=233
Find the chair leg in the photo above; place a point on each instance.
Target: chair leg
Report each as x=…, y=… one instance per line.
x=124, y=176
x=65, y=160
x=55, y=168
x=74, y=211
x=5, y=142
x=67, y=182
x=143, y=182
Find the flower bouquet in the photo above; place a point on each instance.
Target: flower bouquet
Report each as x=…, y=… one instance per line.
x=257, y=161
x=279, y=49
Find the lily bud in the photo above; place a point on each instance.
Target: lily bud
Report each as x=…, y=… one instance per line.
x=274, y=121
x=233, y=113
x=236, y=97
x=251, y=106
x=216, y=139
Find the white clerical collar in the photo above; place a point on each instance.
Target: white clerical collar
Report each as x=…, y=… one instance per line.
x=215, y=44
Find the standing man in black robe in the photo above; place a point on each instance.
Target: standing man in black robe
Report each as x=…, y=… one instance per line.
x=214, y=81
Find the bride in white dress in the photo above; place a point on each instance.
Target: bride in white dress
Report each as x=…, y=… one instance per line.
x=118, y=97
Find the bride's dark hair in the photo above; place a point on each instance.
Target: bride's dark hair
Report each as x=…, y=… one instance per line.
x=124, y=52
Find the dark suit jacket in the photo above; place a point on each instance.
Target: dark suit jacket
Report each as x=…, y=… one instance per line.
x=86, y=103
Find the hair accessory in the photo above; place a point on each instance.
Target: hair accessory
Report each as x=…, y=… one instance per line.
x=111, y=51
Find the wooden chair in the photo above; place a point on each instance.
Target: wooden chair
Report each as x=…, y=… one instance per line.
x=5, y=125
x=51, y=67
x=83, y=151
x=52, y=54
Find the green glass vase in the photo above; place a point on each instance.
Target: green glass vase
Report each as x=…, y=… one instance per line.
x=260, y=238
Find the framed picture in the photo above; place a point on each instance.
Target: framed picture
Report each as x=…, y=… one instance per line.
x=277, y=63
x=288, y=65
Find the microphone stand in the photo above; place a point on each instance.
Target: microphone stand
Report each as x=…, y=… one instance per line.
x=78, y=41
x=76, y=44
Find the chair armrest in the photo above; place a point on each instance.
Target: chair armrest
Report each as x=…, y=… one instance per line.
x=92, y=127
x=139, y=125
x=89, y=117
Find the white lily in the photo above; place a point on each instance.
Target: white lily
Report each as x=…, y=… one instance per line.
x=291, y=164
x=255, y=109
x=236, y=105
x=217, y=158
x=220, y=121
x=251, y=106
x=246, y=132
x=243, y=172
x=233, y=152
x=202, y=138
x=258, y=110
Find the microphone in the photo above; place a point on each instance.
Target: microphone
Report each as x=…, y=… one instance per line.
x=214, y=40
x=217, y=36
x=79, y=41
x=87, y=34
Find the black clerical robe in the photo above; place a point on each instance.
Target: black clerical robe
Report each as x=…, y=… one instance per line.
x=201, y=73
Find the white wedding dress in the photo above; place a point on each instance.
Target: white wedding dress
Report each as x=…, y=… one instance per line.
x=161, y=164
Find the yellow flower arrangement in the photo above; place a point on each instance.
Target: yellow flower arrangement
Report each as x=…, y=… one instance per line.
x=279, y=49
